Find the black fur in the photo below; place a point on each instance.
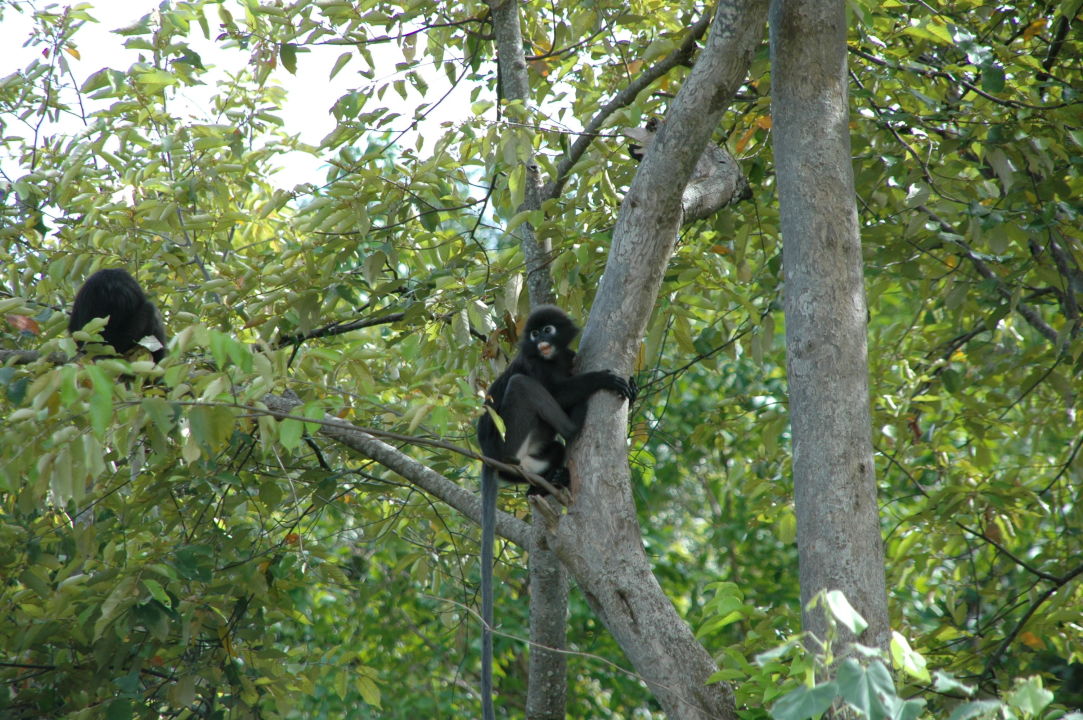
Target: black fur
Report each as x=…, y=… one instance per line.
x=115, y=294
x=538, y=398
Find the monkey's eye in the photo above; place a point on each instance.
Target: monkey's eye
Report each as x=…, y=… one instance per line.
x=549, y=330
x=533, y=334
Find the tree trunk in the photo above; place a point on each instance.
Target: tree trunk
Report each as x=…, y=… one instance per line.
x=547, y=691
x=838, y=531
x=547, y=682
x=599, y=539
x=515, y=85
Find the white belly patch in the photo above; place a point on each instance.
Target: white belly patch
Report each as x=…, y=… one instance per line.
x=528, y=462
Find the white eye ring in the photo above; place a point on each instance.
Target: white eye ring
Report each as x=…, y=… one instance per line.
x=549, y=330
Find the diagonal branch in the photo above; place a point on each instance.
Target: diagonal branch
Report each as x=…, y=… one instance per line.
x=466, y=502
x=625, y=97
x=1029, y=314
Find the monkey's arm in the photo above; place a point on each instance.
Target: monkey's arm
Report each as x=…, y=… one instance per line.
x=525, y=403
x=576, y=389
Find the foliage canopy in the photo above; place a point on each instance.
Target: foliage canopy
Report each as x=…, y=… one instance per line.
x=171, y=550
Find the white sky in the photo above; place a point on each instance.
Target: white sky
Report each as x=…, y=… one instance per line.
x=310, y=94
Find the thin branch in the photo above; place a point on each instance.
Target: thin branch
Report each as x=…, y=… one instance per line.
x=994, y=659
x=1064, y=466
x=340, y=328
x=932, y=72
x=625, y=97
x=1029, y=314
x=466, y=502
x=1015, y=559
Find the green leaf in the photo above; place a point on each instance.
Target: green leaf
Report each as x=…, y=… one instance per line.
x=868, y=689
x=844, y=612
x=340, y=63
x=211, y=426
x=517, y=186
x=287, y=52
x=120, y=599
x=977, y=709
x=945, y=683
x=368, y=690
x=119, y=709
x=96, y=81
x=1029, y=697
x=101, y=401
x=156, y=79
x=195, y=562
x=157, y=592
x=907, y=660
x=498, y=421
x=992, y=79
x=290, y=433
x=805, y=702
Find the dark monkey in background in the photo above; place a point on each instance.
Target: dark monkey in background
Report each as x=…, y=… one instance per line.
x=537, y=398
x=115, y=294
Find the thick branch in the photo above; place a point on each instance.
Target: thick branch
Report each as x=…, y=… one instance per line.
x=25, y=357
x=650, y=215
x=548, y=664
x=716, y=181
x=548, y=607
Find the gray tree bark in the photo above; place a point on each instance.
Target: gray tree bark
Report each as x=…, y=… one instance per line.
x=515, y=84
x=599, y=539
x=547, y=684
x=838, y=531
x=547, y=668
x=355, y=438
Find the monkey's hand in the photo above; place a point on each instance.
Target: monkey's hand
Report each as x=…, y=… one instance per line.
x=627, y=389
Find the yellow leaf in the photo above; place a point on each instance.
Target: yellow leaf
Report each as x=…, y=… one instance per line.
x=742, y=142
x=1034, y=28
x=1031, y=640
x=72, y=51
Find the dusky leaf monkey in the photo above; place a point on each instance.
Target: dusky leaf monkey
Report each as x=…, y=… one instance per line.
x=115, y=294
x=536, y=398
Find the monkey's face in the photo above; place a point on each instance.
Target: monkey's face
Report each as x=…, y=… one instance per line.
x=545, y=340
x=548, y=333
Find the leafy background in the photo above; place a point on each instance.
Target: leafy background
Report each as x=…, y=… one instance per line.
x=170, y=552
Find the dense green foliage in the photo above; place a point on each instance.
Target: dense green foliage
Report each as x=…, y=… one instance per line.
x=169, y=551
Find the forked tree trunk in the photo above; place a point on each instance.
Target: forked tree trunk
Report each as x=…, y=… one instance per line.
x=599, y=539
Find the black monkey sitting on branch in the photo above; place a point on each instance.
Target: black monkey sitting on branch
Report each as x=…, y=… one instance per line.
x=536, y=398
x=115, y=294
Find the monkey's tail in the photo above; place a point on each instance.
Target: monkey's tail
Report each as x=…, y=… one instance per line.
x=488, y=531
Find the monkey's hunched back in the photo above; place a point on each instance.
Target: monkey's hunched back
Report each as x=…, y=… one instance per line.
x=115, y=294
